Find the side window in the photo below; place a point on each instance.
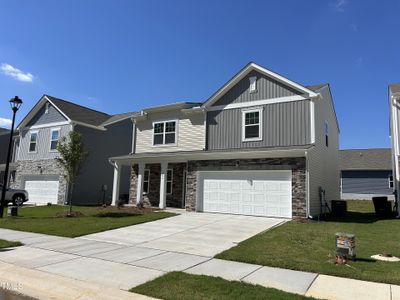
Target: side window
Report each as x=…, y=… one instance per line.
x=326, y=134
x=390, y=181
x=252, y=125
x=54, y=138
x=170, y=175
x=33, y=142
x=146, y=181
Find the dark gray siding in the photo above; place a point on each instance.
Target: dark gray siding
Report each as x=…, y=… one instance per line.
x=284, y=124
x=366, y=182
x=102, y=145
x=53, y=116
x=4, y=140
x=267, y=88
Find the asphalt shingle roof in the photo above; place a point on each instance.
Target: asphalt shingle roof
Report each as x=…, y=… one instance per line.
x=80, y=113
x=365, y=159
x=395, y=87
x=316, y=87
x=4, y=130
x=118, y=117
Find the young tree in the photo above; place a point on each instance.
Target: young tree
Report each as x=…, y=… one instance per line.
x=72, y=157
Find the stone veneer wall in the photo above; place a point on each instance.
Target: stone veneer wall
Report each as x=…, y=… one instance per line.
x=153, y=197
x=296, y=164
x=47, y=167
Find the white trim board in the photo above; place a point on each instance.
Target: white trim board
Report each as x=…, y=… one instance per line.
x=48, y=125
x=257, y=102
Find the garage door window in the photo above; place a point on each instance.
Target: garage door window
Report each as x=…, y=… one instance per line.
x=33, y=142
x=55, y=136
x=252, y=124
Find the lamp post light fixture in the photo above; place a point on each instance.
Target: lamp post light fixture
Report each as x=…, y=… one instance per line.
x=15, y=105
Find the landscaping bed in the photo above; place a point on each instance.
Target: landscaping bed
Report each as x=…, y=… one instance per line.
x=310, y=246
x=54, y=219
x=182, y=286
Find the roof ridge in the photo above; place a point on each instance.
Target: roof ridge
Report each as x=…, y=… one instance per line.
x=73, y=103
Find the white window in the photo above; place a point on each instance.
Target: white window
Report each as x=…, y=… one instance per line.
x=252, y=125
x=253, y=84
x=326, y=134
x=33, y=142
x=146, y=181
x=170, y=175
x=164, y=133
x=390, y=181
x=54, y=137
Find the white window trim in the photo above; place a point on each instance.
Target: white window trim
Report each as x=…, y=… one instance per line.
x=391, y=181
x=51, y=136
x=36, y=142
x=260, y=124
x=176, y=133
x=148, y=181
x=172, y=180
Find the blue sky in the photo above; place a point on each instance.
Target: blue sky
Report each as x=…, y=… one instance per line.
x=118, y=56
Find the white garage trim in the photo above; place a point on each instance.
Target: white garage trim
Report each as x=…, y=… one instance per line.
x=246, y=192
x=42, y=189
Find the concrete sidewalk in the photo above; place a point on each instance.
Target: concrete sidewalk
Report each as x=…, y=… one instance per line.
x=87, y=264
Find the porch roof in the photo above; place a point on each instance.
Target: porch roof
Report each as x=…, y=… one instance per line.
x=181, y=156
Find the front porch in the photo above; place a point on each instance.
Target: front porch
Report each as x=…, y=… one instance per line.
x=161, y=184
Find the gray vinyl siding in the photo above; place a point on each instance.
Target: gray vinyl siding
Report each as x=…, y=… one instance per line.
x=4, y=140
x=322, y=161
x=284, y=124
x=53, y=116
x=267, y=88
x=101, y=145
x=366, y=182
x=43, y=143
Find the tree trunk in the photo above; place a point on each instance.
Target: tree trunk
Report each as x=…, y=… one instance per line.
x=71, y=187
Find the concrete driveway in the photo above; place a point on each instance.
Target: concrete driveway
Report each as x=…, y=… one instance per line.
x=129, y=256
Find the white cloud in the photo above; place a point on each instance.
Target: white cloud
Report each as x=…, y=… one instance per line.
x=340, y=5
x=5, y=123
x=15, y=73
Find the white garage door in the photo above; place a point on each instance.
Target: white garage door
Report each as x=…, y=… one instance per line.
x=255, y=193
x=42, y=190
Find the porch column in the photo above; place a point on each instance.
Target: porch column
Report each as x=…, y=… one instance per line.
x=163, y=185
x=139, y=189
x=116, y=182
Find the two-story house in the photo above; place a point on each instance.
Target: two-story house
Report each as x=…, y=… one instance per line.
x=51, y=119
x=394, y=106
x=261, y=145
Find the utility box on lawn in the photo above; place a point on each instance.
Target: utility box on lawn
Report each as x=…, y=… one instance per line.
x=346, y=245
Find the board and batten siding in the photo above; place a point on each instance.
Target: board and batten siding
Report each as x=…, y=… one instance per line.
x=52, y=116
x=284, y=124
x=190, y=132
x=267, y=88
x=322, y=161
x=43, y=143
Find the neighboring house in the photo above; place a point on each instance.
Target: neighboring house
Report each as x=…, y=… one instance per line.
x=261, y=145
x=39, y=133
x=4, y=142
x=394, y=106
x=366, y=173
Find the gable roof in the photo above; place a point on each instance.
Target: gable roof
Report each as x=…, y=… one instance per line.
x=365, y=159
x=246, y=70
x=71, y=111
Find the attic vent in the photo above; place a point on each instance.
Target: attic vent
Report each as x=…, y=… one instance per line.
x=47, y=108
x=253, y=84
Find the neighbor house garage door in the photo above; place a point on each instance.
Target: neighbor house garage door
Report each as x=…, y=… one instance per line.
x=255, y=193
x=42, y=190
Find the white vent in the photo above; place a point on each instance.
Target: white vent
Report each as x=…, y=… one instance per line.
x=253, y=84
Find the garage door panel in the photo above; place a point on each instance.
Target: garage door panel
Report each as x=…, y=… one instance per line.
x=42, y=190
x=247, y=192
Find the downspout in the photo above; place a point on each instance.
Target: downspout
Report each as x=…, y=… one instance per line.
x=396, y=150
x=307, y=187
x=133, y=150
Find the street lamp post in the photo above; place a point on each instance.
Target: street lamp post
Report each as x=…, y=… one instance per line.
x=15, y=105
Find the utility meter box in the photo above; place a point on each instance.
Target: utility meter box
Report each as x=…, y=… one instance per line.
x=346, y=245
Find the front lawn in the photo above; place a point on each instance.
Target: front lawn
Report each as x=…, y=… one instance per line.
x=49, y=219
x=309, y=246
x=182, y=286
x=8, y=244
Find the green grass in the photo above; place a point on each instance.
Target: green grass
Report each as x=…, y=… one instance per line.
x=309, y=246
x=44, y=219
x=8, y=244
x=182, y=286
